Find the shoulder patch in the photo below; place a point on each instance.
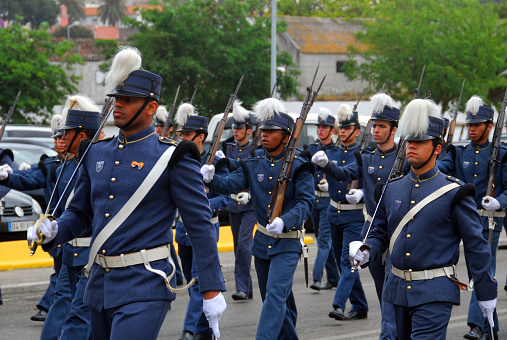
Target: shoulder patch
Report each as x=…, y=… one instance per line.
x=183, y=148
x=167, y=141
x=454, y=180
x=104, y=139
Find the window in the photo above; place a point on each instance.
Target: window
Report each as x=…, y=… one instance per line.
x=339, y=66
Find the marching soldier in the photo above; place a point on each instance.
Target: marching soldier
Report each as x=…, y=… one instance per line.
x=346, y=219
x=325, y=257
x=160, y=120
x=241, y=213
x=277, y=246
x=469, y=164
x=129, y=283
x=422, y=285
x=194, y=128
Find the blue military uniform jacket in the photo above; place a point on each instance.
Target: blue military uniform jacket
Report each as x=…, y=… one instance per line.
x=217, y=202
x=6, y=157
x=111, y=172
x=259, y=173
x=470, y=164
x=320, y=202
x=431, y=240
x=236, y=153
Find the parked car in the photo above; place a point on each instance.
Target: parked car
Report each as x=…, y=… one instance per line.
x=18, y=212
x=40, y=135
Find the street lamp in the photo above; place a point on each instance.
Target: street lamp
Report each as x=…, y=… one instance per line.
x=75, y=23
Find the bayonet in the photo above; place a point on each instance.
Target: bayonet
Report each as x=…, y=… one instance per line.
x=9, y=115
x=416, y=91
x=170, y=114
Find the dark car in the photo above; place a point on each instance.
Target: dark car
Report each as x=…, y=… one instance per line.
x=19, y=211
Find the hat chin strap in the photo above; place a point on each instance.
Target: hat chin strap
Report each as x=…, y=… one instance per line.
x=78, y=130
x=427, y=161
x=355, y=128
x=276, y=147
x=146, y=101
x=389, y=135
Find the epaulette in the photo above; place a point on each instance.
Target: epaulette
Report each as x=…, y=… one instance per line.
x=166, y=140
x=454, y=180
x=305, y=166
x=465, y=190
x=42, y=165
x=7, y=152
x=104, y=139
x=183, y=148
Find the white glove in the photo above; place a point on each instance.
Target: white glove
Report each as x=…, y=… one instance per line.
x=355, y=252
x=243, y=198
x=213, y=309
x=220, y=154
x=275, y=228
x=24, y=166
x=323, y=185
x=487, y=308
x=207, y=171
x=320, y=159
x=354, y=196
x=4, y=171
x=47, y=228
x=490, y=203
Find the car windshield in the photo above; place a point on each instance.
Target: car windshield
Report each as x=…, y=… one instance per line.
x=31, y=156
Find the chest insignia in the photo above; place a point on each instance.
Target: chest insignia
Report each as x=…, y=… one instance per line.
x=370, y=169
x=260, y=177
x=466, y=164
x=139, y=165
x=99, y=166
x=397, y=204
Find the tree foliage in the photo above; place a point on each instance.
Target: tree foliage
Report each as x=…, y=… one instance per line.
x=34, y=12
x=26, y=64
x=112, y=11
x=75, y=32
x=347, y=9
x=205, y=45
x=456, y=40
x=75, y=9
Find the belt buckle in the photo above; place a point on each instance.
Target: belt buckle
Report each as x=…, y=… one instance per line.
x=102, y=261
x=409, y=277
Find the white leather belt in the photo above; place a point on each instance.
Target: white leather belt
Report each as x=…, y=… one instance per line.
x=491, y=213
x=214, y=220
x=131, y=259
x=340, y=206
x=81, y=242
x=291, y=234
x=321, y=193
x=234, y=197
x=409, y=275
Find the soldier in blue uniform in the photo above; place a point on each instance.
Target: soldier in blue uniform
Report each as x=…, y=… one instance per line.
x=160, y=120
x=194, y=128
x=325, y=257
x=422, y=285
x=277, y=245
x=373, y=167
x=241, y=213
x=131, y=279
x=346, y=219
x=469, y=163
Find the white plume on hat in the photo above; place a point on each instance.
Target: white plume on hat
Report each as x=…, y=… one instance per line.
x=266, y=108
x=54, y=123
x=473, y=104
x=77, y=102
x=380, y=100
x=344, y=112
x=184, y=111
x=127, y=60
x=161, y=113
x=414, y=119
x=239, y=113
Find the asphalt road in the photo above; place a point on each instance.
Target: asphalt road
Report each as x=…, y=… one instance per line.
x=23, y=288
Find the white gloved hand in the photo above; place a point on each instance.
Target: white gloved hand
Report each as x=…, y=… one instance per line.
x=213, y=309
x=320, y=158
x=490, y=203
x=355, y=252
x=24, y=166
x=487, y=308
x=354, y=196
x=323, y=185
x=47, y=228
x=220, y=154
x=207, y=171
x=4, y=171
x=243, y=198
x=275, y=228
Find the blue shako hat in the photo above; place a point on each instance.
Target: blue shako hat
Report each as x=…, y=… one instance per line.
x=422, y=121
x=188, y=120
x=346, y=117
x=240, y=115
x=383, y=108
x=158, y=122
x=82, y=119
x=477, y=112
x=139, y=83
x=271, y=113
x=325, y=117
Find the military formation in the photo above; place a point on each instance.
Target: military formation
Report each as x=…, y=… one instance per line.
x=399, y=206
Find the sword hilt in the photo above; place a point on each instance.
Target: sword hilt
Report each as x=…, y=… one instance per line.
x=33, y=245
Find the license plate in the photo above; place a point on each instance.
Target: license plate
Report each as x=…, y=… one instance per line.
x=20, y=226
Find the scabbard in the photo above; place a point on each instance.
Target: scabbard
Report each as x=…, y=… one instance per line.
x=305, y=259
x=491, y=227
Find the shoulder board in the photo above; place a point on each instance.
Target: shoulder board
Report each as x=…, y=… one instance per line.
x=167, y=141
x=104, y=139
x=454, y=180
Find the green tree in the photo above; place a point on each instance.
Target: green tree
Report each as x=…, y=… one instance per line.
x=456, y=40
x=75, y=9
x=34, y=12
x=75, y=32
x=208, y=45
x=347, y=9
x=112, y=11
x=27, y=64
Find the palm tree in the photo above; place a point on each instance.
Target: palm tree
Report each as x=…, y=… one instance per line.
x=112, y=11
x=75, y=9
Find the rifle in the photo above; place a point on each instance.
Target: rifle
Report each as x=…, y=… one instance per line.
x=193, y=96
x=170, y=114
x=452, y=125
x=493, y=162
x=215, y=141
x=416, y=91
x=9, y=115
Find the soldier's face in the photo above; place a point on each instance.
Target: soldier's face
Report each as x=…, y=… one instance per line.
x=418, y=152
x=479, y=132
x=381, y=130
x=158, y=129
x=125, y=109
x=68, y=136
x=323, y=131
x=241, y=134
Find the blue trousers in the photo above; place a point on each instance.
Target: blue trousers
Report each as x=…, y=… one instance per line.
x=78, y=325
x=423, y=322
x=325, y=257
x=139, y=320
x=475, y=316
x=350, y=283
x=242, y=225
x=279, y=313
x=60, y=309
